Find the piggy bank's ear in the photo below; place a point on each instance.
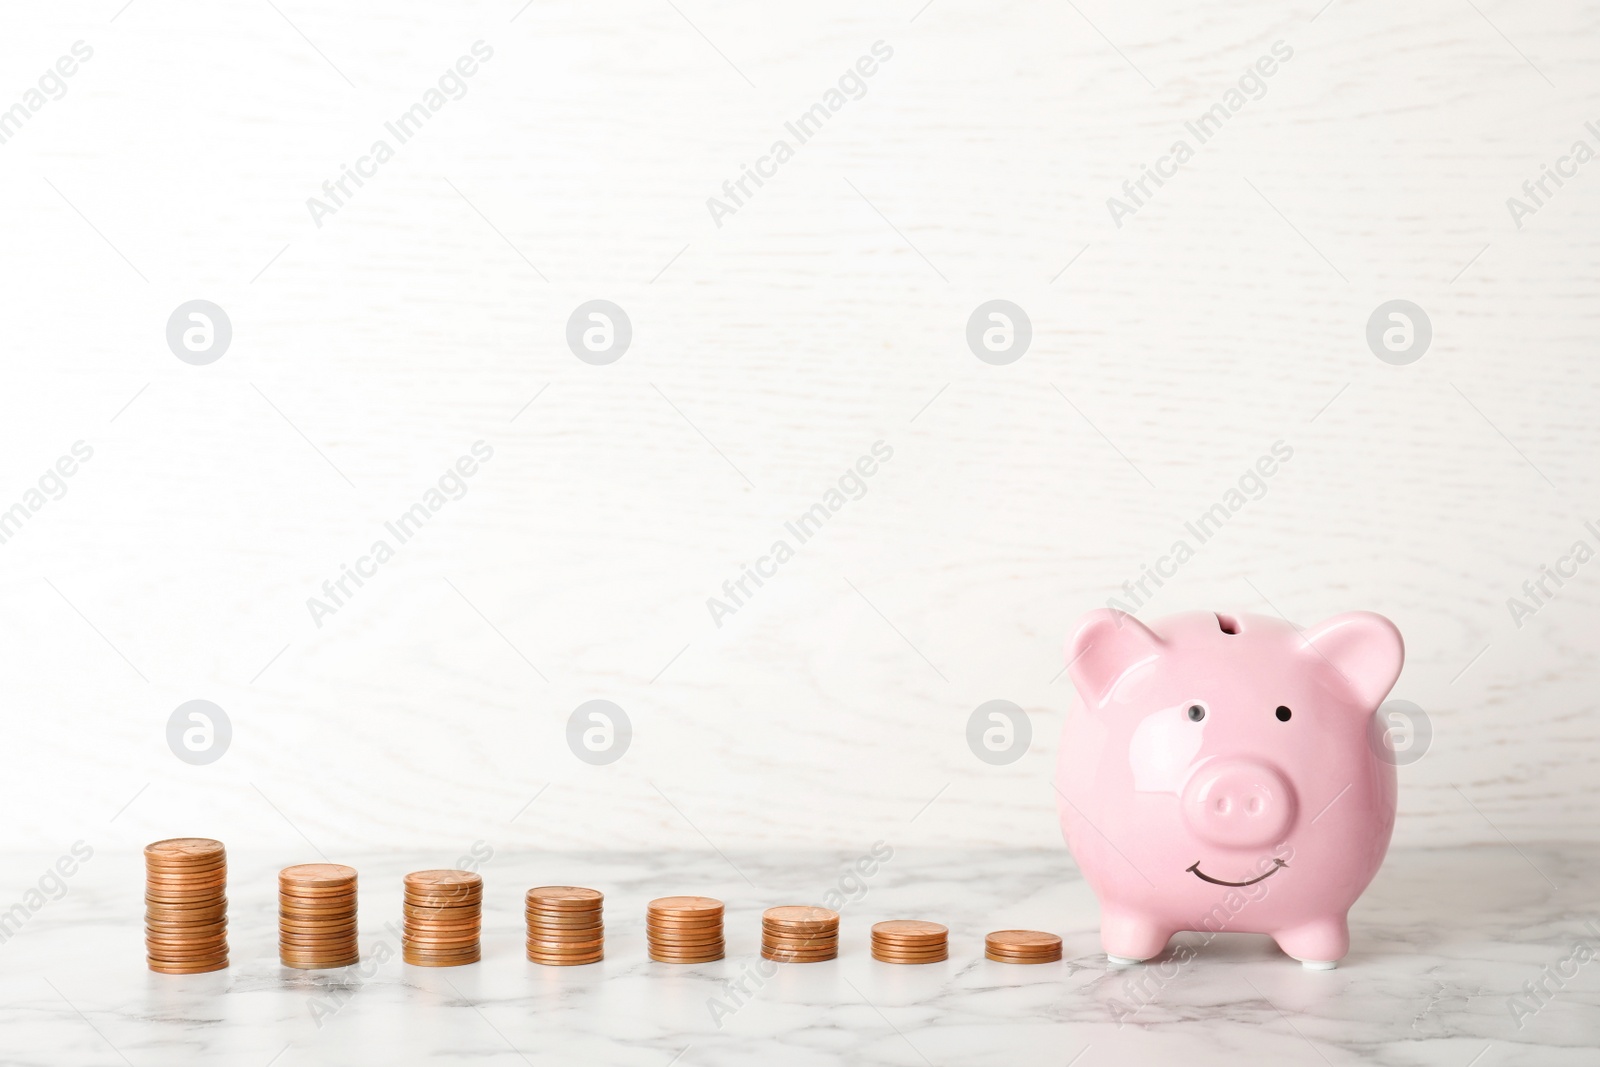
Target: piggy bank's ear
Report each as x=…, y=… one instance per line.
x=1364, y=647
x=1106, y=645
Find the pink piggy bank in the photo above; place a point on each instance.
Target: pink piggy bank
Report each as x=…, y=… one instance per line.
x=1218, y=773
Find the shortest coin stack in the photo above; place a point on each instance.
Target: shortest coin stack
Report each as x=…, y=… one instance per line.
x=1022, y=946
x=443, y=917
x=317, y=916
x=186, y=905
x=799, y=934
x=910, y=941
x=684, y=929
x=565, y=927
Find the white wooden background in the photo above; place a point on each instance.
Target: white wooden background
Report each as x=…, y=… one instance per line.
x=825, y=315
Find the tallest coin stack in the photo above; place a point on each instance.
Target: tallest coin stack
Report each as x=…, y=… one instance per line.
x=186, y=905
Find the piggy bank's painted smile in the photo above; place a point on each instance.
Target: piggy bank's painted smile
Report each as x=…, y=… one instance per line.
x=1194, y=869
x=1208, y=752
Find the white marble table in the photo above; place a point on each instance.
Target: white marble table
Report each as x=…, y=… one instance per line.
x=1441, y=941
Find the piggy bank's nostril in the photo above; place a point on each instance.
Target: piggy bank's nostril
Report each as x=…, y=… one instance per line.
x=1237, y=803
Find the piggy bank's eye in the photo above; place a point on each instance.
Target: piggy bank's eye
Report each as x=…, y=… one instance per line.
x=1283, y=713
x=1196, y=712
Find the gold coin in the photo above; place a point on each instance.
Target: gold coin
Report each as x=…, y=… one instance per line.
x=207, y=935
x=169, y=931
x=1022, y=941
x=295, y=900
x=472, y=922
x=787, y=945
x=661, y=957
x=562, y=928
x=563, y=961
x=546, y=933
x=426, y=957
x=316, y=928
x=320, y=964
x=446, y=879
x=563, y=918
x=442, y=937
x=182, y=923
x=800, y=915
x=208, y=896
x=185, y=875
x=161, y=967
x=565, y=898
x=566, y=946
x=182, y=850
x=684, y=907
x=1000, y=957
x=790, y=957
x=184, y=890
x=683, y=939
x=317, y=875
x=908, y=950
x=684, y=922
x=909, y=930
x=169, y=956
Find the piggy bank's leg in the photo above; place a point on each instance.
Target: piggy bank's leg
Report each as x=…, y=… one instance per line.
x=1129, y=937
x=1318, y=944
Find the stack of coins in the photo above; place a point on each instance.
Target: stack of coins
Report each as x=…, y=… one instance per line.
x=1022, y=946
x=684, y=929
x=317, y=916
x=186, y=905
x=910, y=941
x=443, y=916
x=564, y=925
x=799, y=934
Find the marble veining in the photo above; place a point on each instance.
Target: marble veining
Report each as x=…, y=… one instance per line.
x=1442, y=943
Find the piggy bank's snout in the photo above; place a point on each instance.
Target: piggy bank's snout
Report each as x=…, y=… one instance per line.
x=1238, y=803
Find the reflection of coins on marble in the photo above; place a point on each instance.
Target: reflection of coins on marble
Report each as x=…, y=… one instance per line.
x=799, y=933
x=565, y=927
x=684, y=929
x=317, y=916
x=1022, y=946
x=910, y=941
x=443, y=918
x=186, y=905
